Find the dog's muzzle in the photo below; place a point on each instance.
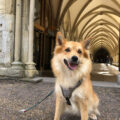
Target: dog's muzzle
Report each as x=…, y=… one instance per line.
x=72, y=63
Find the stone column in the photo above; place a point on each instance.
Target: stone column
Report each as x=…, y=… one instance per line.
x=25, y=24
x=30, y=65
x=17, y=52
x=31, y=34
x=118, y=77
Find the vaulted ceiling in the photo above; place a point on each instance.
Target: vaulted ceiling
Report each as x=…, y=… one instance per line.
x=97, y=20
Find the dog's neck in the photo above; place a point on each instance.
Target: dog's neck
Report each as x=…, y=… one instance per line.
x=67, y=81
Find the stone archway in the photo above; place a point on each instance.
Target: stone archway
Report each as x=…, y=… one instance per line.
x=101, y=56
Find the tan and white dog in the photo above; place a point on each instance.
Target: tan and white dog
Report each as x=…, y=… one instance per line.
x=72, y=66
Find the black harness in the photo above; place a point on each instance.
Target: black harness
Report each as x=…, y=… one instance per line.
x=67, y=93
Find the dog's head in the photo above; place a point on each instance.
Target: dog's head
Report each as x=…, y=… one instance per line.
x=69, y=54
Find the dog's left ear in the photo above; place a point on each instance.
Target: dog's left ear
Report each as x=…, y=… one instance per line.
x=86, y=44
x=60, y=40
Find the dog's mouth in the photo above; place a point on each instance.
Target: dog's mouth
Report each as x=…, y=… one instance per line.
x=71, y=65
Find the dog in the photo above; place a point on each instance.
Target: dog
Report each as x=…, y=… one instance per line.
x=72, y=66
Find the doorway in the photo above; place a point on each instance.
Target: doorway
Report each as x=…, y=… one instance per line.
x=101, y=56
x=43, y=49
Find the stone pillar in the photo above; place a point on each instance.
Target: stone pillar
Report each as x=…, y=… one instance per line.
x=25, y=24
x=31, y=34
x=17, y=52
x=118, y=78
x=119, y=48
x=30, y=65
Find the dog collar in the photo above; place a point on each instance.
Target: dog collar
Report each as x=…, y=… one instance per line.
x=67, y=93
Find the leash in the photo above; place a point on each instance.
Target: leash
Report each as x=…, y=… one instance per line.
x=27, y=109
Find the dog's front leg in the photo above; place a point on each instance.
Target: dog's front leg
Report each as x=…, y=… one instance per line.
x=84, y=111
x=60, y=105
x=83, y=106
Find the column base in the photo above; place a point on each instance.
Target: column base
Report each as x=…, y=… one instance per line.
x=31, y=73
x=30, y=66
x=17, y=65
x=10, y=72
x=16, y=70
x=31, y=70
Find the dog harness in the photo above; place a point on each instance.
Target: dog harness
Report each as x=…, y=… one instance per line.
x=67, y=93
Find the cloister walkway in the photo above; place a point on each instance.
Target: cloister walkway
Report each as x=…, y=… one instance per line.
x=16, y=95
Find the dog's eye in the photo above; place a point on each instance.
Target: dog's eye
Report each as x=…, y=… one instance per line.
x=67, y=49
x=79, y=51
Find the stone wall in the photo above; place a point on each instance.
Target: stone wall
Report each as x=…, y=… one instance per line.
x=6, y=31
x=7, y=10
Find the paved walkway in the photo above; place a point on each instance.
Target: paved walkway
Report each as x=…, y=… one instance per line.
x=102, y=72
x=16, y=95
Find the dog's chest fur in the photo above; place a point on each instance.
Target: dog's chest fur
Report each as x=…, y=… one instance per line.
x=70, y=82
x=79, y=92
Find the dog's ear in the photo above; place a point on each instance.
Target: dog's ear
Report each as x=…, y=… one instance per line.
x=60, y=40
x=86, y=44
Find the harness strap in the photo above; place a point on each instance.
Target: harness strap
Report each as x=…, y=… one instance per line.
x=67, y=93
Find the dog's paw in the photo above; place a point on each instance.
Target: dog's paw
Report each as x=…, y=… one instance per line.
x=93, y=117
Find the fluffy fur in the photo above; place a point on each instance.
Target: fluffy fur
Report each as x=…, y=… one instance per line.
x=84, y=101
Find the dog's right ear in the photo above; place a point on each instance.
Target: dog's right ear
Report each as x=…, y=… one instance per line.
x=60, y=40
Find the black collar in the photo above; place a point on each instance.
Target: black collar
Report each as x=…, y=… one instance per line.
x=67, y=93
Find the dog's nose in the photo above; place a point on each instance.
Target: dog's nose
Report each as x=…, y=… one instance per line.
x=74, y=58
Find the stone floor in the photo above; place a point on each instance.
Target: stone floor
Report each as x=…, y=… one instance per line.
x=103, y=72
x=16, y=95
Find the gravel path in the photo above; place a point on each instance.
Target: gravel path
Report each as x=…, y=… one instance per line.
x=15, y=95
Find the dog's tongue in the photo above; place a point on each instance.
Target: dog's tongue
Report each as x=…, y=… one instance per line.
x=72, y=66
